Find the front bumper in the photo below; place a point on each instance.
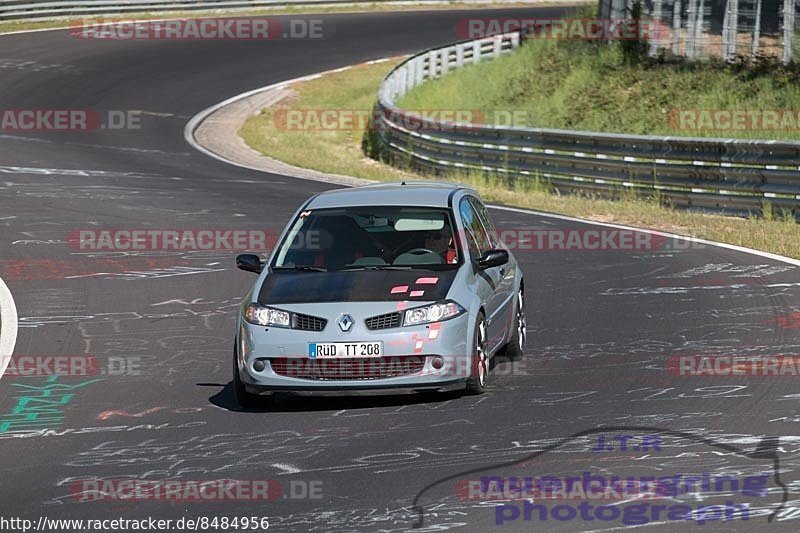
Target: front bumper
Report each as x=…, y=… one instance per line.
x=430, y=356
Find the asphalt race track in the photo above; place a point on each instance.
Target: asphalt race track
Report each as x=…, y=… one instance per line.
x=602, y=325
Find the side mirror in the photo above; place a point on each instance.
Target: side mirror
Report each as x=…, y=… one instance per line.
x=493, y=258
x=249, y=262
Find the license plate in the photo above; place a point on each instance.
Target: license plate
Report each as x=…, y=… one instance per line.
x=329, y=350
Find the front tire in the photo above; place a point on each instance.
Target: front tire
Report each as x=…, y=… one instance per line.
x=479, y=371
x=516, y=344
x=244, y=398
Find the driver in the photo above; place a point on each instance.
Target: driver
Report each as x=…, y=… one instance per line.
x=442, y=243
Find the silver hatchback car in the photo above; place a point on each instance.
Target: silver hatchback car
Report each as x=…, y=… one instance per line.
x=391, y=286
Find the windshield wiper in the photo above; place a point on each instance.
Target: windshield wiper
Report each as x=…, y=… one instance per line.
x=301, y=268
x=376, y=267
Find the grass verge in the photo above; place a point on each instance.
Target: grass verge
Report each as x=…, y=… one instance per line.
x=339, y=151
x=577, y=85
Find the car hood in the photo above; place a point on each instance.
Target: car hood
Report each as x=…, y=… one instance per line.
x=357, y=286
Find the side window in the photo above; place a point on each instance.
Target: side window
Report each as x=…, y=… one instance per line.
x=477, y=239
x=483, y=214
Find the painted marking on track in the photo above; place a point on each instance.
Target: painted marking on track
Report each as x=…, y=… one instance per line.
x=105, y=415
x=289, y=469
x=8, y=326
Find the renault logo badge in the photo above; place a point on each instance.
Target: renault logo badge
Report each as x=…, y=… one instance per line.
x=345, y=323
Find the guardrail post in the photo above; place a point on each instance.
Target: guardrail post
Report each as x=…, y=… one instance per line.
x=788, y=30
x=757, y=29
x=433, y=67
x=617, y=9
x=445, y=60
x=476, y=52
x=397, y=88
x=459, y=56
x=694, y=27
x=497, y=48
x=402, y=77
x=691, y=21
x=698, y=29
x=730, y=29
x=655, y=42
x=676, y=27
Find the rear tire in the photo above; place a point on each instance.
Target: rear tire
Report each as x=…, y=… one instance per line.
x=243, y=398
x=516, y=344
x=479, y=366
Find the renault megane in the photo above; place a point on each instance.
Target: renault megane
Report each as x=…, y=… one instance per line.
x=391, y=286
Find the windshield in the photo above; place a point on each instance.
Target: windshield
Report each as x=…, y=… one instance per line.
x=369, y=238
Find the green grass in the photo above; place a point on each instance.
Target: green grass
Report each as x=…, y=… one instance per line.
x=341, y=152
x=334, y=151
x=576, y=85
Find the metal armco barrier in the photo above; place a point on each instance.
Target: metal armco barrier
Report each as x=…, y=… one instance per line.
x=735, y=174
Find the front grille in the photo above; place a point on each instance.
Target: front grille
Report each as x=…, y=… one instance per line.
x=389, y=320
x=343, y=369
x=308, y=322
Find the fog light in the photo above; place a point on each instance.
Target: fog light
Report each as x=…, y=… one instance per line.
x=437, y=363
x=259, y=365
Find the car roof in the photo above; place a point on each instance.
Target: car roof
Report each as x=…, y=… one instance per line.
x=412, y=193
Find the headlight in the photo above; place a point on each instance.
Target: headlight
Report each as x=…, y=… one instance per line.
x=266, y=316
x=432, y=313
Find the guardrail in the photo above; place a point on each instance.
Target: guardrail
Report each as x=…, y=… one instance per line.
x=735, y=174
x=55, y=9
